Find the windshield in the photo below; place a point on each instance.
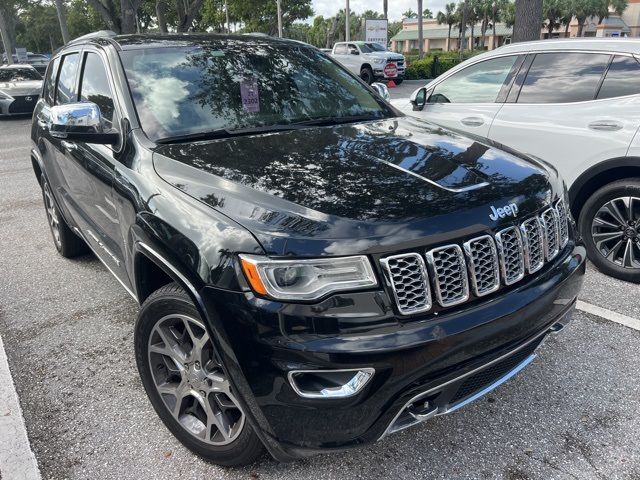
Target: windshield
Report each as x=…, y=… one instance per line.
x=376, y=47
x=18, y=74
x=227, y=85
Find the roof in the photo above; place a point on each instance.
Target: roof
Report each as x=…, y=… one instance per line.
x=130, y=42
x=443, y=32
x=622, y=45
x=17, y=65
x=614, y=23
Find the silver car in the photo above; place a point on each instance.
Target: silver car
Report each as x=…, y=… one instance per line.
x=20, y=87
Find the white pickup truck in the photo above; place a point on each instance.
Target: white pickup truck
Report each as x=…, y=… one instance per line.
x=370, y=60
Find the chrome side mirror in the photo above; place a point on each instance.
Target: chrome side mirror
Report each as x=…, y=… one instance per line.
x=382, y=90
x=81, y=122
x=419, y=99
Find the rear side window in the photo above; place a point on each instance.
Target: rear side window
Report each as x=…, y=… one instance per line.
x=94, y=86
x=50, y=81
x=623, y=78
x=65, y=93
x=563, y=77
x=479, y=83
x=341, y=49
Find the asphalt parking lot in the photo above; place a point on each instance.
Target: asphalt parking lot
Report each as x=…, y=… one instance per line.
x=67, y=331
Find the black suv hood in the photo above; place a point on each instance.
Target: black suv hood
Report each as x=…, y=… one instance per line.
x=357, y=188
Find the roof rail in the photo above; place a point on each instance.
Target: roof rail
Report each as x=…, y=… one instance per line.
x=98, y=34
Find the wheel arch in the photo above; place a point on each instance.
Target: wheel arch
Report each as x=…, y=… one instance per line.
x=37, y=167
x=598, y=176
x=366, y=65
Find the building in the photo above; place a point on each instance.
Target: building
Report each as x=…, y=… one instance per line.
x=436, y=37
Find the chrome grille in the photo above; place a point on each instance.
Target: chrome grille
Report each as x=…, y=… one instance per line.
x=511, y=251
x=484, y=270
x=563, y=223
x=451, y=283
x=550, y=226
x=409, y=281
x=532, y=238
x=451, y=274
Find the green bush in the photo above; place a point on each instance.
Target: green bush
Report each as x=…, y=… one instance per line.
x=424, y=69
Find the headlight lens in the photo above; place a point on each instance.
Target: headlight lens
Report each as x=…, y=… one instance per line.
x=307, y=279
x=379, y=60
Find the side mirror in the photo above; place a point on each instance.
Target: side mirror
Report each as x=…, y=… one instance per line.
x=382, y=90
x=419, y=99
x=354, y=51
x=81, y=122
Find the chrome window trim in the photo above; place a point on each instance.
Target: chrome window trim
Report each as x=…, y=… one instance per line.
x=434, y=273
x=550, y=255
x=503, y=266
x=425, y=275
x=472, y=267
x=527, y=247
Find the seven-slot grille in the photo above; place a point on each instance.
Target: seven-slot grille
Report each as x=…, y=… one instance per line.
x=487, y=262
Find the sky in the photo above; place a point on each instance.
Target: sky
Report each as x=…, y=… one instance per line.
x=328, y=8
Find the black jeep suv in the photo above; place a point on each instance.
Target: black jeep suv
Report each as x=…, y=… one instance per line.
x=315, y=269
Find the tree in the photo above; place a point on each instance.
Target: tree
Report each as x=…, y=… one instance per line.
x=38, y=29
x=62, y=18
x=508, y=14
x=428, y=14
x=409, y=14
x=528, y=20
x=120, y=20
x=449, y=18
x=583, y=9
x=82, y=19
x=553, y=11
x=420, y=31
x=261, y=15
x=8, y=20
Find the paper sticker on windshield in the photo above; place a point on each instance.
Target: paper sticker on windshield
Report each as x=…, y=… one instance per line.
x=249, y=94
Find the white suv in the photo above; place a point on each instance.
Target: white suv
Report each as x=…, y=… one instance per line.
x=575, y=104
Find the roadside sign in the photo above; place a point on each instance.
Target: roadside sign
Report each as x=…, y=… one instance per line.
x=21, y=53
x=390, y=70
x=376, y=31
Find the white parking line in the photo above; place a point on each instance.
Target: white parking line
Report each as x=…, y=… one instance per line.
x=17, y=461
x=609, y=315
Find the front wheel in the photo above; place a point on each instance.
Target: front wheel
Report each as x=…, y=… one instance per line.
x=186, y=383
x=610, y=226
x=366, y=74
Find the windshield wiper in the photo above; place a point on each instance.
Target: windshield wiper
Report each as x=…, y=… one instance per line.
x=336, y=120
x=226, y=133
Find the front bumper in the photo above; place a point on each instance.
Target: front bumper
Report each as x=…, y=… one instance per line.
x=420, y=365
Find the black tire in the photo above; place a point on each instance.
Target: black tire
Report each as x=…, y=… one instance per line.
x=605, y=256
x=170, y=300
x=366, y=74
x=68, y=244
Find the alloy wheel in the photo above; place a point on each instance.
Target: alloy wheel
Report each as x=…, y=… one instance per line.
x=190, y=380
x=52, y=215
x=615, y=231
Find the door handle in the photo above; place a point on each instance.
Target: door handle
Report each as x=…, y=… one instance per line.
x=606, y=125
x=68, y=145
x=472, y=121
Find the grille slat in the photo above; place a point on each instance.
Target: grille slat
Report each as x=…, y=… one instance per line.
x=563, y=223
x=450, y=278
x=550, y=225
x=533, y=239
x=407, y=276
x=511, y=251
x=484, y=269
x=487, y=262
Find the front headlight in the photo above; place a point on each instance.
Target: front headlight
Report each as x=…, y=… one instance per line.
x=307, y=279
x=379, y=60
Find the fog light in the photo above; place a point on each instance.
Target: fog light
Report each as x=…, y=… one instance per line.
x=329, y=383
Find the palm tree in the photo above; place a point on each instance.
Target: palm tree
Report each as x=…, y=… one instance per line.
x=553, y=11
x=409, y=14
x=449, y=17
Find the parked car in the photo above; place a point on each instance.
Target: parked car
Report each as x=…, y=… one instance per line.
x=20, y=87
x=316, y=270
x=36, y=60
x=370, y=61
x=574, y=103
